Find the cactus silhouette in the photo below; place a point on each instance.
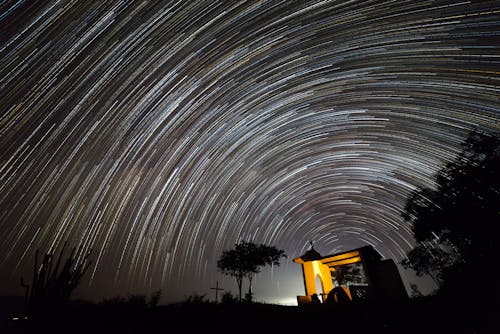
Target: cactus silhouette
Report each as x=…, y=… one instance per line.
x=52, y=285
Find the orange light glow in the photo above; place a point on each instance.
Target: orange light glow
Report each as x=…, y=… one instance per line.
x=322, y=269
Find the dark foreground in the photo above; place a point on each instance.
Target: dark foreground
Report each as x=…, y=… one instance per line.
x=424, y=315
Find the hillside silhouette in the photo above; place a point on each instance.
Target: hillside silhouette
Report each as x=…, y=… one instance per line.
x=430, y=314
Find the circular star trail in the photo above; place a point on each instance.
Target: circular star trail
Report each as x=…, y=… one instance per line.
x=158, y=134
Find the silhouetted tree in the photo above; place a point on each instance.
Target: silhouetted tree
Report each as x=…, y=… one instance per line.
x=454, y=223
x=52, y=286
x=432, y=258
x=246, y=260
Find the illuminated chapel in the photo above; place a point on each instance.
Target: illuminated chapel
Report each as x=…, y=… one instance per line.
x=355, y=275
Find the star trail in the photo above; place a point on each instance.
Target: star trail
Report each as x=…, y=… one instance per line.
x=157, y=134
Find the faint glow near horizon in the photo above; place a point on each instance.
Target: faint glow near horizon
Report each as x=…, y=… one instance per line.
x=279, y=301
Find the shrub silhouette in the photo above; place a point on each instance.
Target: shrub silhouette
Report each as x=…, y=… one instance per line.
x=228, y=298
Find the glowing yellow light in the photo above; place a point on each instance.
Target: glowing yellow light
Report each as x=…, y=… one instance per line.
x=346, y=261
x=323, y=269
x=340, y=257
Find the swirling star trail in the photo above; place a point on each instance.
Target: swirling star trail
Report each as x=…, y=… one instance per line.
x=158, y=134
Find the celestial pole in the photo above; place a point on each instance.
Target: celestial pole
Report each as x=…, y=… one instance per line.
x=158, y=134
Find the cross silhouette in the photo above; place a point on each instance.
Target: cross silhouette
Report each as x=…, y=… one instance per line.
x=217, y=289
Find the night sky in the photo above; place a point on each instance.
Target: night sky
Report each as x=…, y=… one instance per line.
x=158, y=134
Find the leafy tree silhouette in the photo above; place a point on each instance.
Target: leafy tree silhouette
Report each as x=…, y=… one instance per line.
x=246, y=260
x=453, y=223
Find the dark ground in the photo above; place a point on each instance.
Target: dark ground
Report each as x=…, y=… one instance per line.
x=422, y=315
